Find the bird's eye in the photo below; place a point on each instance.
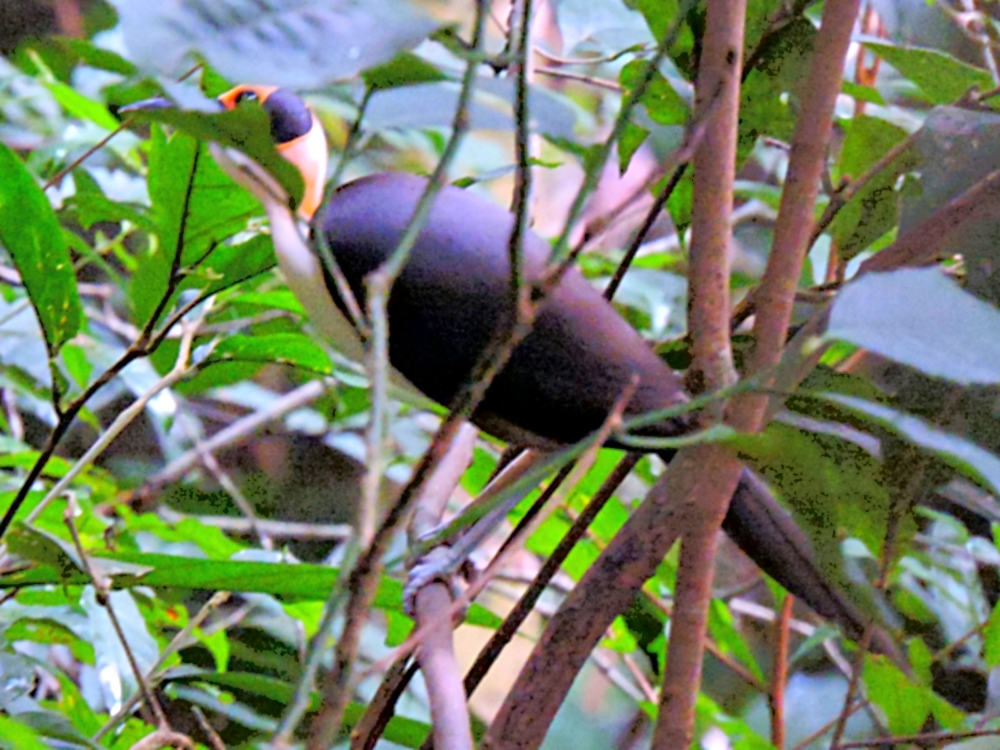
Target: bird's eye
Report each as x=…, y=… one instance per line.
x=246, y=96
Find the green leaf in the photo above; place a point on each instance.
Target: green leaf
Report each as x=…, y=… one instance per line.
x=680, y=202
x=16, y=736
x=50, y=632
x=779, y=70
x=405, y=69
x=80, y=106
x=293, y=349
x=278, y=299
x=873, y=211
x=958, y=452
x=74, y=707
x=246, y=128
x=91, y=205
x=631, y=138
x=887, y=313
x=905, y=704
x=30, y=232
x=729, y=638
x=318, y=41
x=832, y=487
x=303, y=581
x=79, y=367
x=659, y=15
x=228, y=265
x=940, y=77
x=662, y=102
x=991, y=638
x=862, y=93
x=217, y=644
x=196, y=206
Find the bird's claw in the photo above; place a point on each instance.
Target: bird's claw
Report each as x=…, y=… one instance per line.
x=438, y=564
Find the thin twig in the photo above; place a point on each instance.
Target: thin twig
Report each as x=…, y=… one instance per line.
x=929, y=739
x=179, y=372
x=213, y=737
x=179, y=641
x=602, y=83
x=239, y=499
x=779, y=674
x=809, y=740
x=240, y=430
x=338, y=532
x=102, y=593
x=143, y=346
x=502, y=636
x=381, y=707
x=362, y=581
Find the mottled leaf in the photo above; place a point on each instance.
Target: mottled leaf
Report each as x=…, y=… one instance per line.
x=956, y=451
x=873, y=211
x=940, y=77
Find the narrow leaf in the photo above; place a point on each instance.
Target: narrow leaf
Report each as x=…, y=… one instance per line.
x=30, y=232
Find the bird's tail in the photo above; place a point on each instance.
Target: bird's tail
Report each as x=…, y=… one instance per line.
x=770, y=537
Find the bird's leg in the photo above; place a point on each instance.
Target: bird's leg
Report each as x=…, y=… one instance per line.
x=440, y=554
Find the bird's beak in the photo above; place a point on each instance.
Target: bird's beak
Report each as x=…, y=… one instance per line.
x=157, y=102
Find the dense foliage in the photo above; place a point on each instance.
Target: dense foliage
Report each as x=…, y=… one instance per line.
x=184, y=452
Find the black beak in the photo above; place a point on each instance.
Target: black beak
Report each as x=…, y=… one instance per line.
x=157, y=102
x=162, y=102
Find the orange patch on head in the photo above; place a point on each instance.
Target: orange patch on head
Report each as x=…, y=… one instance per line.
x=232, y=97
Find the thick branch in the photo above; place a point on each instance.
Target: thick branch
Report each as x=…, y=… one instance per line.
x=709, y=474
x=798, y=199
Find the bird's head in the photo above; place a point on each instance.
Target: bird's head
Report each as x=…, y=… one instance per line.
x=299, y=138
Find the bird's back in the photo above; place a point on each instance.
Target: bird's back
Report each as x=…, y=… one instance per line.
x=453, y=296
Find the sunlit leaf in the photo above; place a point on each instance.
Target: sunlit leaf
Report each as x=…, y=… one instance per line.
x=304, y=581
x=293, y=349
x=30, y=232
x=662, y=102
x=904, y=703
x=16, y=736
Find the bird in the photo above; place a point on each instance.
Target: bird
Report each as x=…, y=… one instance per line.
x=452, y=297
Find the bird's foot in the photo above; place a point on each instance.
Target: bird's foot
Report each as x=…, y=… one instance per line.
x=438, y=564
